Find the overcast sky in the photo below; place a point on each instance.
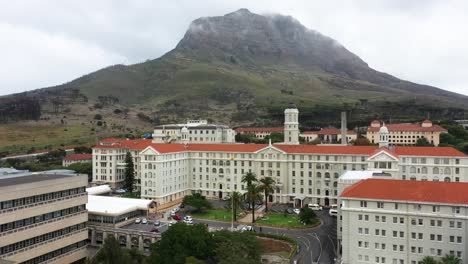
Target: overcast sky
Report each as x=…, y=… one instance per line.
x=45, y=43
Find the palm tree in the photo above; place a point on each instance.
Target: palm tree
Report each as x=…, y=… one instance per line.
x=249, y=178
x=236, y=200
x=267, y=187
x=450, y=259
x=429, y=260
x=254, y=194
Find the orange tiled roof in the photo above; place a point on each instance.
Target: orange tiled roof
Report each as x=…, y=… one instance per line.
x=386, y=150
x=141, y=144
x=79, y=157
x=329, y=131
x=416, y=191
x=259, y=129
x=408, y=128
x=428, y=151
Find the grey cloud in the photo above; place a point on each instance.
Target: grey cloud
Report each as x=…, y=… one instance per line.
x=48, y=42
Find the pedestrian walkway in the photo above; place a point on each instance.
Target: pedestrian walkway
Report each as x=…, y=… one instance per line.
x=248, y=217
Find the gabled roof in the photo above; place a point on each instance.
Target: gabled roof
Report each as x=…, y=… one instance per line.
x=74, y=157
x=415, y=191
x=259, y=129
x=408, y=128
x=385, y=150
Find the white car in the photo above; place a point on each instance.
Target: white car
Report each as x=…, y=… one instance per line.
x=297, y=211
x=188, y=221
x=334, y=206
x=188, y=218
x=172, y=222
x=173, y=213
x=137, y=221
x=315, y=207
x=144, y=220
x=175, y=209
x=333, y=212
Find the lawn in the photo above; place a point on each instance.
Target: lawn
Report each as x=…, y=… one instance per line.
x=282, y=220
x=214, y=214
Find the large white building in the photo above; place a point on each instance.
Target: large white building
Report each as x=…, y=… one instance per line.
x=194, y=131
x=395, y=221
x=303, y=173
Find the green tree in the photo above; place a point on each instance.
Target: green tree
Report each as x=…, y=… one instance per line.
x=450, y=259
x=254, y=194
x=181, y=241
x=307, y=215
x=422, y=142
x=252, y=190
x=193, y=260
x=236, y=247
x=129, y=172
x=267, y=184
x=429, y=260
x=112, y=253
x=275, y=137
x=236, y=200
x=197, y=201
x=82, y=149
x=83, y=168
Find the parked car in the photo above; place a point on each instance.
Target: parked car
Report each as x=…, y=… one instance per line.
x=334, y=206
x=175, y=209
x=297, y=210
x=173, y=213
x=120, y=191
x=137, y=220
x=177, y=217
x=188, y=221
x=172, y=222
x=188, y=217
x=290, y=211
x=157, y=223
x=226, y=198
x=246, y=228
x=154, y=230
x=333, y=212
x=144, y=220
x=315, y=207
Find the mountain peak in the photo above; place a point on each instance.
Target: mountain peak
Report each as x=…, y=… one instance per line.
x=242, y=11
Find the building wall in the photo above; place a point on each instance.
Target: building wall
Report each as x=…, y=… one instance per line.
x=216, y=134
x=167, y=177
x=402, y=232
x=32, y=213
x=406, y=138
x=67, y=163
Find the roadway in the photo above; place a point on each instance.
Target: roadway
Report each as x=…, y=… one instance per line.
x=316, y=245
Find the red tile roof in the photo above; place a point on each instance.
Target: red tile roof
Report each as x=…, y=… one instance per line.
x=408, y=128
x=428, y=151
x=74, y=157
x=386, y=150
x=310, y=149
x=328, y=131
x=259, y=129
x=141, y=144
x=416, y=191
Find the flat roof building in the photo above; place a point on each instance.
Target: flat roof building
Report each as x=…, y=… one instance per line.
x=43, y=218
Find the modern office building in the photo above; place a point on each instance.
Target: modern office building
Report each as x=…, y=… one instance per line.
x=406, y=134
x=43, y=218
x=396, y=221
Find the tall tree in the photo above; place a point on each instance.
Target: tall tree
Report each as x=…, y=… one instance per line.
x=129, y=172
x=112, y=253
x=236, y=200
x=254, y=193
x=252, y=190
x=267, y=184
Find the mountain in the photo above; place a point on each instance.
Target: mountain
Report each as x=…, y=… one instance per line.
x=244, y=68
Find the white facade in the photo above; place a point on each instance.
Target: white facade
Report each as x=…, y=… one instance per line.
x=303, y=173
x=291, y=125
x=194, y=131
x=380, y=230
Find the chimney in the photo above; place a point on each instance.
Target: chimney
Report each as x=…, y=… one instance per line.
x=344, y=129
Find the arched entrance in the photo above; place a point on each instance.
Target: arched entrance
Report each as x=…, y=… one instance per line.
x=327, y=201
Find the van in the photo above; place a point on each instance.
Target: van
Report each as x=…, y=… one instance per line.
x=315, y=207
x=333, y=212
x=334, y=206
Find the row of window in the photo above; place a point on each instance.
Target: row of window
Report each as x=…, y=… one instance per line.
x=38, y=239
x=56, y=253
x=40, y=198
x=416, y=207
x=40, y=218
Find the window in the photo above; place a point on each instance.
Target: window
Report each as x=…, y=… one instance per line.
x=380, y=205
x=435, y=208
x=363, y=203
x=456, y=210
